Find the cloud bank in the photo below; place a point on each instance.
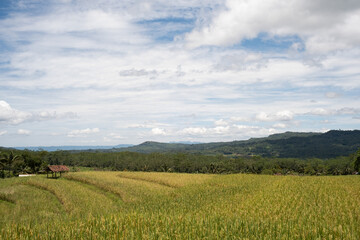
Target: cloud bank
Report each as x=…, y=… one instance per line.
x=176, y=70
x=323, y=25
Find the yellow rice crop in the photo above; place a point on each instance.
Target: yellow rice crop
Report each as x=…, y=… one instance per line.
x=132, y=205
x=167, y=179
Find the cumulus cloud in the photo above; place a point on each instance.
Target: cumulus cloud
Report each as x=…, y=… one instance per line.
x=2, y=132
x=158, y=131
x=46, y=115
x=221, y=122
x=220, y=129
x=97, y=58
x=23, y=132
x=206, y=131
x=254, y=131
x=323, y=25
x=334, y=112
x=9, y=115
x=83, y=132
x=201, y=131
x=228, y=132
x=194, y=130
x=278, y=116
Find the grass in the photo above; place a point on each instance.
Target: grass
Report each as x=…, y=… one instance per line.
x=138, y=205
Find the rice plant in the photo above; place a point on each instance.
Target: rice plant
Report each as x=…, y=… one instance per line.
x=136, y=205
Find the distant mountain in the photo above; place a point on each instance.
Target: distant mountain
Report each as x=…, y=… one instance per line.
x=72, y=148
x=186, y=142
x=284, y=145
x=149, y=147
x=289, y=144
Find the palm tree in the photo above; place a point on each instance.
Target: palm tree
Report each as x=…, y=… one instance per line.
x=8, y=159
x=357, y=160
x=2, y=165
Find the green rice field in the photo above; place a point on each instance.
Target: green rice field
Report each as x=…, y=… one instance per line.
x=145, y=205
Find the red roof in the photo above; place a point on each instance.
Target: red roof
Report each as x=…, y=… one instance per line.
x=58, y=168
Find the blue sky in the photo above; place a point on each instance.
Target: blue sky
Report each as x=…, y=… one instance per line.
x=86, y=72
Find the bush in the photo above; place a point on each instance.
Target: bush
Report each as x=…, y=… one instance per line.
x=267, y=172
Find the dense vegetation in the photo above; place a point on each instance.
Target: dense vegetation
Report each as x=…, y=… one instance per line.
x=221, y=157
x=15, y=162
x=141, y=205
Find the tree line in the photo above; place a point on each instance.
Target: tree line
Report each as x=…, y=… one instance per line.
x=13, y=162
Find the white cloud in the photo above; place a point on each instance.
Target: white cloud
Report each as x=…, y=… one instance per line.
x=115, y=136
x=158, y=131
x=239, y=119
x=194, y=131
x=148, y=124
x=83, y=132
x=136, y=125
x=220, y=129
x=23, y=132
x=348, y=111
x=70, y=22
x=279, y=125
x=45, y=115
x=12, y=116
x=9, y=115
x=125, y=74
x=2, y=133
x=332, y=95
x=278, y=116
x=324, y=25
x=320, y=112
x=203, y=131
x=234, y=131
x=242, y=61
x=334, y=112
x=253, y=131
x=137, y=72
x=221, y=122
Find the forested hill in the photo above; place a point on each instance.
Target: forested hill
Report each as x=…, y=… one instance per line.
x=290, y=144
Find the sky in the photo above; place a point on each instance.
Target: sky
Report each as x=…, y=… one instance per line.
x=108, y=72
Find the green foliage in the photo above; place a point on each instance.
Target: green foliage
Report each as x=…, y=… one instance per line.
x=267, y=172
x=10, y=162
x=25, y=161
x=357, y=161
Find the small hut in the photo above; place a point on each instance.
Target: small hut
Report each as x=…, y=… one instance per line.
x=56, y=169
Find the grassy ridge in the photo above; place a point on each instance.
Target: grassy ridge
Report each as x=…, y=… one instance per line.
x=180, y=206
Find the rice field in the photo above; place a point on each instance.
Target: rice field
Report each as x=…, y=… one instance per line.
x=141, y=205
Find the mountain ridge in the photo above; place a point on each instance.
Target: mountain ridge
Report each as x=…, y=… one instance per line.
x=289, y=144
x=330, y=144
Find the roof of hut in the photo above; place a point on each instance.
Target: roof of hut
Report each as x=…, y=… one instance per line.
x=58, y=168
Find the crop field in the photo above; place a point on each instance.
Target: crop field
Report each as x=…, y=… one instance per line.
x=141, y=205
